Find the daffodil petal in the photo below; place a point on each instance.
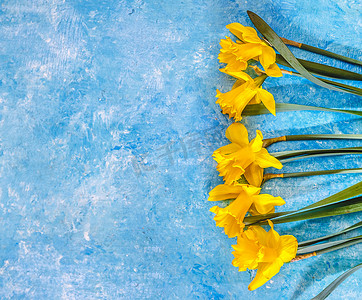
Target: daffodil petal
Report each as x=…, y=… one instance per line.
x=274, y=71
x=238, y=134
x=257, y=143
x=246, y=34
x=265, y=203
x=289, y=246
x=267, y=57
x=267, y=99
x=237, y=83
x=265, y=160
x=224, y=192
x=272, y=238
x=254, y=174
x=239, y=75
x=255, y=100
x=248, y=51
x=265, y=272
x=251, y=190
x=228, y=149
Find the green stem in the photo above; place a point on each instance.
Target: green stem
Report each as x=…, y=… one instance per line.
x=326, y=247
x=311, y=173
x=346, y=88
x=338, y=208
x=287, y=156
x=350, y=242
x=303, y=137
x=259, y=109
x=317, y=240
x=321, y=70
x=300, y=137
x=322, y=52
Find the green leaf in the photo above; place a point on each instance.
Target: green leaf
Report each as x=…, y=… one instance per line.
x=352, y=191
x=279, y=45
x=329, y=246
x=335, y=283
x=321, y=69
x=259, y=109
x=334, y=209
x=317, y=240
x=339, y=208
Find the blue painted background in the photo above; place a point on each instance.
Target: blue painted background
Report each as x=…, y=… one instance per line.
x=107, y=125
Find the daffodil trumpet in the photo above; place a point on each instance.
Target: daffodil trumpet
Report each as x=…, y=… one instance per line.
x=269, y=176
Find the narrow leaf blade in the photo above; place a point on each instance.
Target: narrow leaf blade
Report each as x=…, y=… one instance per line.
x=331, y=287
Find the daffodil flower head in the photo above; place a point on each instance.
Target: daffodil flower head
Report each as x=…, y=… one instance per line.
x=242, y=157
x=265, y=251
x=252, y=47
x=246, y=90
x=231, y=217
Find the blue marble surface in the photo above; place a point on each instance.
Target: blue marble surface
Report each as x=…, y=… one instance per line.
x=107, y=125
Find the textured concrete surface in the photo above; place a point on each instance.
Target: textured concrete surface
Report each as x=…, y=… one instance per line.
x=107, y=125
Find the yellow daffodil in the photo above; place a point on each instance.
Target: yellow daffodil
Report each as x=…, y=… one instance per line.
x=243, y=158
x=246, y=90
x=247, y=197
x=265, y=251
x=250, y=47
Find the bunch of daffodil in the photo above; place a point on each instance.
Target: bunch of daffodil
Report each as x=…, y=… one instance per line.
x=246, y=90
x=242, y=157
x=265, y=251
x=247, y=199
x=241, y=164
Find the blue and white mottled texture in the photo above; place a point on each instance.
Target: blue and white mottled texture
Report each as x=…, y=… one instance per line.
x=107, y=125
